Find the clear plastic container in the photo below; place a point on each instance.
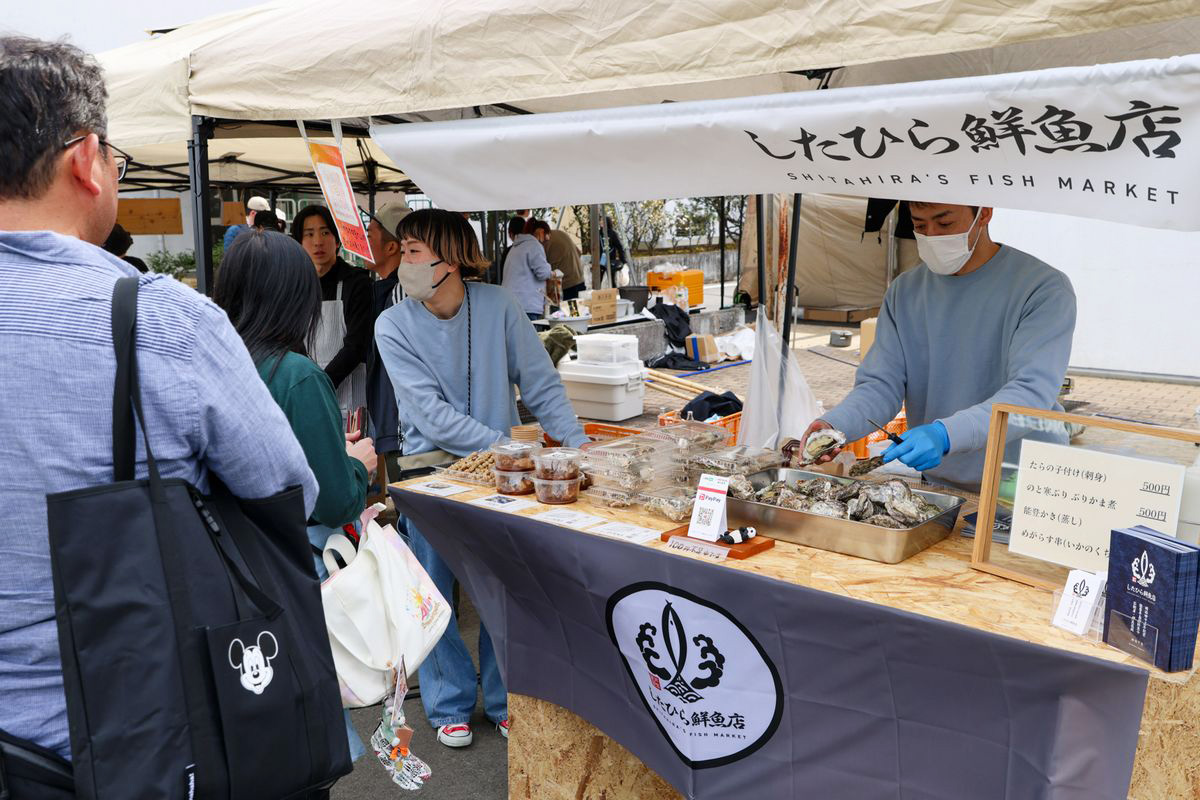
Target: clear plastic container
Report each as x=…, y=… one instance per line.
x=557, y=463
x=606, y=348
x=738, y=460
x=675, y=503
x=514, y=482
x=556, y=493
x=639, y=477
x=514, y=456
x=691, y=437
x=611, y=497
x=631, y=452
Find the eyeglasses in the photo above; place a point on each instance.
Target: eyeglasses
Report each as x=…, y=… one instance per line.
x=120, y=157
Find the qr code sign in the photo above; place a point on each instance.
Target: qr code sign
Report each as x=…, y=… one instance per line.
x=704, y=517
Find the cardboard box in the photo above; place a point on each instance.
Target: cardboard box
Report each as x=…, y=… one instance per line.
x=603, y=306
x=702, y=348
x=866, y=336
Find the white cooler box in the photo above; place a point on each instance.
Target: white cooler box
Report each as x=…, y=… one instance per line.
x=609, y=392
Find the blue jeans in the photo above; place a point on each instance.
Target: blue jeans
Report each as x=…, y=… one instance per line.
x=317, y=534
x=447, y=675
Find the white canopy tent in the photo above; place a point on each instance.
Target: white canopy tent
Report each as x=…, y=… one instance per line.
x=408, y=61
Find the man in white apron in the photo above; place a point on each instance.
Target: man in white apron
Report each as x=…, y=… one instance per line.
x=343, y=337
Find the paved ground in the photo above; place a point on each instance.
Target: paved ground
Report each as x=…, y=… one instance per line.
x=480, y=771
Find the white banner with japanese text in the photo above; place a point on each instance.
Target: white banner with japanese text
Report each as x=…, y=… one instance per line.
x=1118, y=142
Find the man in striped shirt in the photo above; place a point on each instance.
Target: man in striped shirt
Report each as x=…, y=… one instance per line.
x=207, y=411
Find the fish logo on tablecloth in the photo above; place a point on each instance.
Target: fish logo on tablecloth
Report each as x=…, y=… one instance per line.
x=675, y=642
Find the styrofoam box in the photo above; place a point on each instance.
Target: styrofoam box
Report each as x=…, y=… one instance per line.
x=609, y=392
x=606, y=348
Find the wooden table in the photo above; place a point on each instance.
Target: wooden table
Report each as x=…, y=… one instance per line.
x=554, y=753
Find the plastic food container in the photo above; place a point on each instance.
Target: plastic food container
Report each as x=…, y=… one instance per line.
x=606, y=348
x=631, y=453
x=643, y=478
x=674, y=503
x=514, y=482
x=691, y=437
x=557, y=463
x=611, y=392
x=739, y=460
x=556, y=493
x=514, y=456
x=611, y=497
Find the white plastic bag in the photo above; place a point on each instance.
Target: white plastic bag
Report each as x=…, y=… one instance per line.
x=776, y=410
x=623, y=277
x=381, y=609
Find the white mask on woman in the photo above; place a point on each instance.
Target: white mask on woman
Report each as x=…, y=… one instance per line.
x=417, y=279
x=945, y=255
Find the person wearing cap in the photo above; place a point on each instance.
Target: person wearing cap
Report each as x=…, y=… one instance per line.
x=381, y=397
x=118, y=243
x=256, y=204
x=343, y=337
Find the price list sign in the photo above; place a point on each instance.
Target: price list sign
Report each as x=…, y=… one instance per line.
x=1069, y=499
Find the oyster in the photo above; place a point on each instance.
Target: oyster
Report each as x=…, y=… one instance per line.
x=906, y=510
x=883, y=521
x=795, y=502
x=859, y=508
x=741, y=488
x=822, y=442
x=846, y=491
x=829, y=508
x=888, y=490
x=816, y=488
x=865, y=465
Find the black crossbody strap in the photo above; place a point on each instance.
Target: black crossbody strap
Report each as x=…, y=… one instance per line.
x=209, y=760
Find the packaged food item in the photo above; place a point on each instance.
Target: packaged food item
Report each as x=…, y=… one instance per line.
x=738, y=460
x=691, y=437
x=556, y=492
x=475, y=468
x=557, y=463
x=611, y=497
x=519, y=482
x=645, y=476
x=631, y=452
x=514, y=456
x=675, y=502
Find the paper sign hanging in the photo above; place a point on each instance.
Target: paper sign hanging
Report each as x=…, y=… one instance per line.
x=1069, y=499
x=330, y=169
x=708, y=513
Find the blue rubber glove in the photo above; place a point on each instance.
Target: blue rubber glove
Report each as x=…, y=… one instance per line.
x=922, y=448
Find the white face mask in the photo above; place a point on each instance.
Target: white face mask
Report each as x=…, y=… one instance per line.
x=945, y=255
x=416, y=279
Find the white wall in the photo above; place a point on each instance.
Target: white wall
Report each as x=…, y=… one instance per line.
x=1137, y=289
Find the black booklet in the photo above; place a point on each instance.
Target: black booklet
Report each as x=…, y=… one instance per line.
x=1152, y=607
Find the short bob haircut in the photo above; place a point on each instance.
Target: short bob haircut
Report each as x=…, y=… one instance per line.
x=535, y=225
x=269, y=289
x=449, y=236
x=312, y=211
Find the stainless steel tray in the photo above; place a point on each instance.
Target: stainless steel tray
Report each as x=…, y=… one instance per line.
x=842, y=535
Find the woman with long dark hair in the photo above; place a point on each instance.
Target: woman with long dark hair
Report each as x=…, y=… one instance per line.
x=268, y=288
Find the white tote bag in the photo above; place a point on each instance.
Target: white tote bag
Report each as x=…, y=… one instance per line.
x=381, y=610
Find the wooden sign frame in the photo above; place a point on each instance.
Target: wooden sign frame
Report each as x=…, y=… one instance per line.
x=997, y=435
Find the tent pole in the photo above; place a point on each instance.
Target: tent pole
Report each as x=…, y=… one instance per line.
x=721, y=245
x=370, y=170
x=790, y=289
x=202, y=130
x=594, y=224
x=760, y=225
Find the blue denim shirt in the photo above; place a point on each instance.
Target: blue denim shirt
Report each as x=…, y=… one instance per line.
x=206, y=409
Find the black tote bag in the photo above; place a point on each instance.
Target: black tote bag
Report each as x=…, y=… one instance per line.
x=195, y=657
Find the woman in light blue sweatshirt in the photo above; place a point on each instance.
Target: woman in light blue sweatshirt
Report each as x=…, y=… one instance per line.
x=454, y=351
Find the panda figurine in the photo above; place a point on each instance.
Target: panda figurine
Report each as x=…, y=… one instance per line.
x=738, y=535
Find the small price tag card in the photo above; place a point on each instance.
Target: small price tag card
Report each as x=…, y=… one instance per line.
x=626, y=532
x=708, y=514
x=439, y=488
x=503, y=502
x=1080, y=597
x=569, y=519
x=689, y=546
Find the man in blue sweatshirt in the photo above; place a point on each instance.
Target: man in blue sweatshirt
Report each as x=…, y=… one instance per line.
x=977, y=323
x=526, y=271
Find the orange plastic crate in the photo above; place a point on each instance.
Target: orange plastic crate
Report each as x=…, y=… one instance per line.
x=731, y=423
x=690, y=279
x=861, y=448
x=597, y=431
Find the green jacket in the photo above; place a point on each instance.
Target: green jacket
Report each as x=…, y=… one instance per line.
x=305, y=393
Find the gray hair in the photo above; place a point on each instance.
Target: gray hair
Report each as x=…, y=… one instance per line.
x=50, y=92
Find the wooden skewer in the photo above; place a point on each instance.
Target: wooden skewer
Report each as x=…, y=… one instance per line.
x=691, y=386
x=673, y=391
